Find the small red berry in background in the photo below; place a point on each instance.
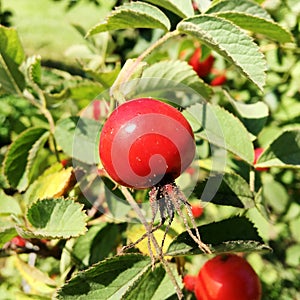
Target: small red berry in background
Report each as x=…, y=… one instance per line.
x=257, y=154
x=64, y=162
x=218, y=80
x=197, y=210
x=202, y=68
x=18, y=241
x=227, y=277
x=189, y=282
x=100, y=109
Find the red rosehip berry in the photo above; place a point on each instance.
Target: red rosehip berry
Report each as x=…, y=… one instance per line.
x=18, y=241
x=189, y=282
x=64, y=162
x=197, y=211
x=202, y=68
x=227, y=277
x=257, y=154
x=146, y=142
x=218, y=80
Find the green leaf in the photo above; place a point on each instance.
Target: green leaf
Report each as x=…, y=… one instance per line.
x=231, y=42
x=21, y=154
x=164, y=77
x=181, y=8
x=236, y=234
x=6, y=234
x=151, y=285
x=250, y=16
x=242, y=6
x=133, y=15
x=254, y=116
x=275, y=195
x=78, y=138
x=97, y=243
x=220, y=128
x=11, y=57
x=225, y=189
x=35, y=69
x=9, y=205
x=56, y=218
x=283, y=151
x=108, y=279
x=268, y=28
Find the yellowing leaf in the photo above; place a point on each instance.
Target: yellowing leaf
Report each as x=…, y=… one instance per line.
x=137, y=230
x=50, y=185
x=36, y=279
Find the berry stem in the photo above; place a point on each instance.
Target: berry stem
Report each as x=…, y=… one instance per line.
x=158, y=249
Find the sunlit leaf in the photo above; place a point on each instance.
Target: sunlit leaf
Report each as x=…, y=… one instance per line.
x=181, y=8
x=225, y=189
x=11, y=57
x=283, y=151
x=108, y=279
x=133, y=15
x=164, y=77
x=220, y=128
x=231, y=42
x=236, y=234
x=21, y=154
x=37, y=280
x=55, y=218
x=78, y=137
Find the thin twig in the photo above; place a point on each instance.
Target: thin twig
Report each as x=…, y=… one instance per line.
x=159, y=252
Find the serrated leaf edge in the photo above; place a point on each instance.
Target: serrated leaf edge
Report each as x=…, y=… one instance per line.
x=126, y=7
x=222, y=51
x=31, y=231
x=270, y=21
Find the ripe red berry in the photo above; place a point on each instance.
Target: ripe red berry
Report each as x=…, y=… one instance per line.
x=197, y=210
x=189, y=282
x=218, y=80
x=202, y=68
x=64, y=162
x=146, y=142
x=227, y=277
x=257, y=154
x=18, y=241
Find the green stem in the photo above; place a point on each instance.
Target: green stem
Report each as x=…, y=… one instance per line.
x=252, y=180
x=127, y=71
x=43, y=109
x=148, y=51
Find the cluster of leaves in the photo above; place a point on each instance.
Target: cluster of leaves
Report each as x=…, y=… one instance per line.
x=64, y=210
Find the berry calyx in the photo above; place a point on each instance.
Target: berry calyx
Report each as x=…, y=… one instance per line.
x=227, y=276
x=146, y=142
